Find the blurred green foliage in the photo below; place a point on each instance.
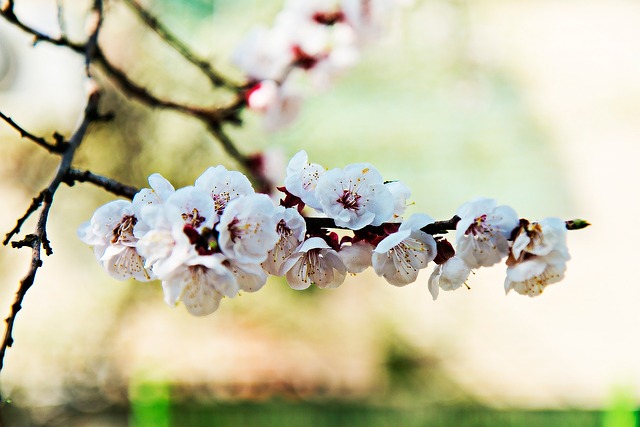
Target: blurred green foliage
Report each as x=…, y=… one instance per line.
x=327, y=414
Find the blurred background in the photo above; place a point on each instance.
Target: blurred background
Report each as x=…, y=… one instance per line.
x=532, y=102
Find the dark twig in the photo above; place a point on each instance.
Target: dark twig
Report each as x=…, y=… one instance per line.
x=121, y=80
x=56, y=147
x=25, y=284
x=441, y=227
x=38, y=240
x=162, y=31
x=438, y=227
x=91, y=47
x=34, y=206
x=111, y=185
x=8, y=13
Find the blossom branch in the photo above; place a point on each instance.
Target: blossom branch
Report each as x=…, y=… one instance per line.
x=169, y=38
x=437, y=227
x=38, y=240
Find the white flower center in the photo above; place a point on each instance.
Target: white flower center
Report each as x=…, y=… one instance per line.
x=480, y=226
x=123, y=232
x=238, y=229
x=193, y=218
x=220, y=201
x=404, y=255
x=309, y=266
x=350, y=200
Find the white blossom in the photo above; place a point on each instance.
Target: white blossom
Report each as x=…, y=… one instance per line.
x=291, y=228
x=355, y=196
x=265, y=54
x=223, y=186
x=165, y=247
x=342, y=54
x=314, y=263
x=538, y=257
x=448, y=276
x=200, y=285
x=483, y=231
x=192, y=206
x=401, y=255
x=322, y=52
x=247, y=228
x=110, y=232
x=302, y=179
x=279, y=104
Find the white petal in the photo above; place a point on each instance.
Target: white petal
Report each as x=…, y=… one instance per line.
x=392, y=241
x=198, y=296
x=416, y=222
x=434, y=282
x=356, y=257
x=250, y=277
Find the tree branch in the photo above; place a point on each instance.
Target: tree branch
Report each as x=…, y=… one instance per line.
x=437, y=227
x=38, y=240
x=57, y=147
x=8, y=13
x=169, y=38
x=111, y=185
x=212, y=117
x=35, y=205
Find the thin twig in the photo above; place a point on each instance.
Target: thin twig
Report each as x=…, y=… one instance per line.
x=36, y=202
x=169, y=38
x=213, y=117
x=57, y=147
x=111, y=185
x=8, y=13
x=39, y=238
x=123, y=82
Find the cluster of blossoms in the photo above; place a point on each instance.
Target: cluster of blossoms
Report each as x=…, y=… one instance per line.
x=219, y=237
x=314, y=40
